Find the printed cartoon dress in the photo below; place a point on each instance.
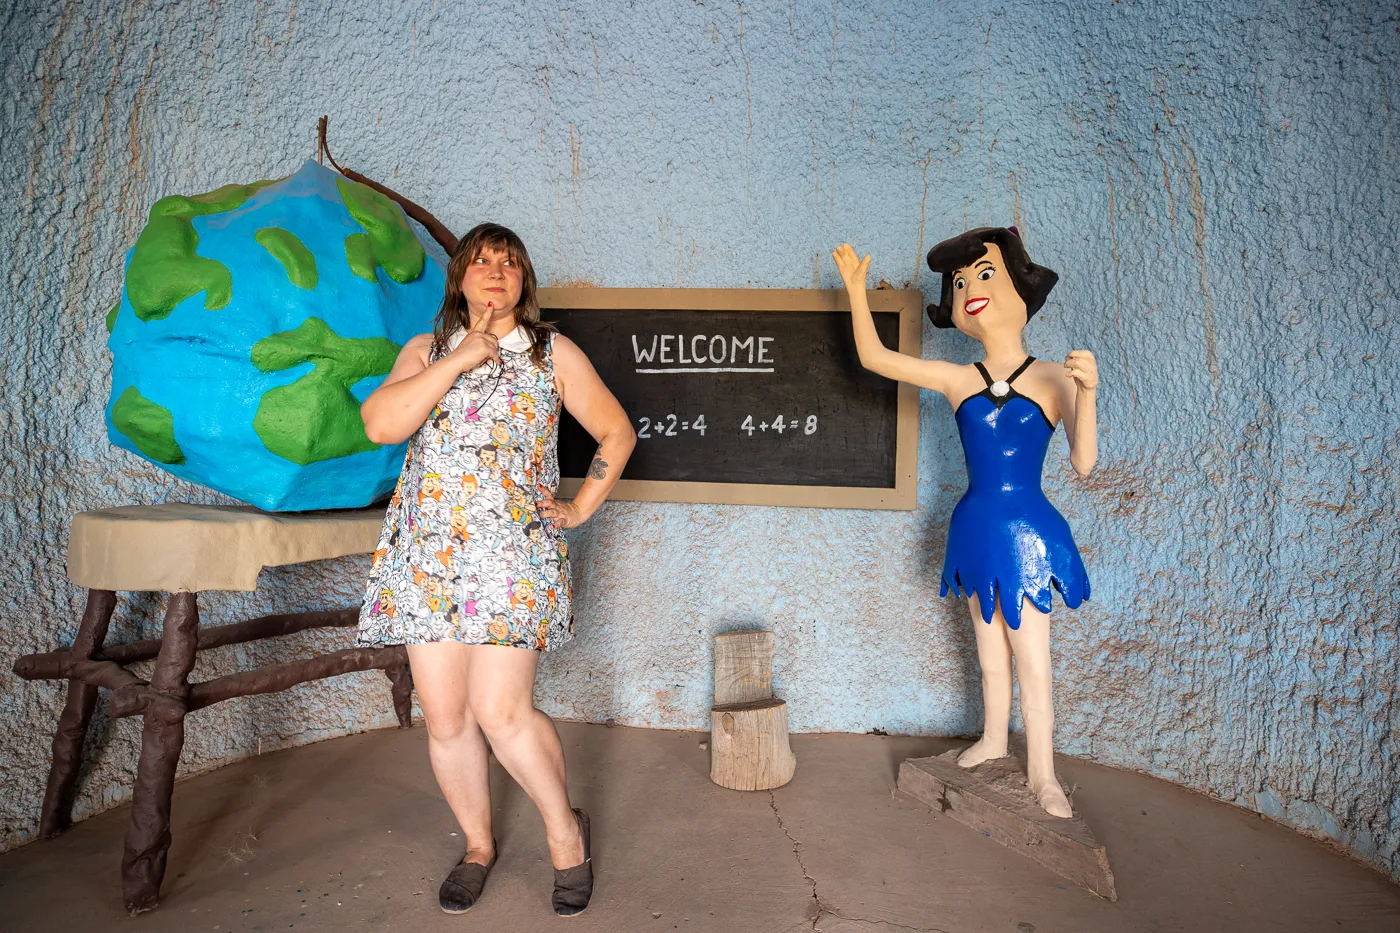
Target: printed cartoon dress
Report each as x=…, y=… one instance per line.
x=464, y=554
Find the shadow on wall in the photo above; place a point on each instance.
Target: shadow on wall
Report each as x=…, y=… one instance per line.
x=241, y=727
x=943, y=480
x=556, y=676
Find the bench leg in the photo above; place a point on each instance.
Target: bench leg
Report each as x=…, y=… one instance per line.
x=401, y=687
x=68, y=738
x=162, y=738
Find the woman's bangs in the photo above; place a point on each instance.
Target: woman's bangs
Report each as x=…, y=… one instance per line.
x=501, y=242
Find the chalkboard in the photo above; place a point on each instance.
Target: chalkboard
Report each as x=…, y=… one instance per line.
x=751, y=396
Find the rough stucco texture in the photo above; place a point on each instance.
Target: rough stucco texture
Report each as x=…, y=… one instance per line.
x=1216, y=183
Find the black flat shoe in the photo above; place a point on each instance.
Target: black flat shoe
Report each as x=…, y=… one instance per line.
x=573, y=887
x=462, y=887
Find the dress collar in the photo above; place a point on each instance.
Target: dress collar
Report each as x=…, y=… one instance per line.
x=517, y=341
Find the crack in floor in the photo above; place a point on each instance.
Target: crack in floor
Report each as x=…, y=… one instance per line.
x=797, y=854
x=822, y=908
x=891, y=924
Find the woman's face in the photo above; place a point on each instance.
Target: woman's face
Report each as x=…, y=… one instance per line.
x=493, y=278
x=984, y=297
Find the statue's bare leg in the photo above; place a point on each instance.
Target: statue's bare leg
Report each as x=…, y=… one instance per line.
x=994, y=657
x=1031, y=645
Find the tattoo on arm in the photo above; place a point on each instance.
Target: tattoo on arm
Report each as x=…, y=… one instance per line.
x=599, y=468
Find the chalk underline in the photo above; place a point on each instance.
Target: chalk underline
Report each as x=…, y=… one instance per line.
x=710, y=369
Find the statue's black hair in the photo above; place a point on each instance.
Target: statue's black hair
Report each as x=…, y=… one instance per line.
x=1032, y=282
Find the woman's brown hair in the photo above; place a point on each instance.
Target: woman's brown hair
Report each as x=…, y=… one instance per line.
x=453, y=313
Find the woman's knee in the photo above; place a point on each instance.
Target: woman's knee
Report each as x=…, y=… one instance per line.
x=446, y=724
x=497, y=715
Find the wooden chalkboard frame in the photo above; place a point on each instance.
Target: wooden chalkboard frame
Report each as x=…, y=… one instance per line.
x=907, y=303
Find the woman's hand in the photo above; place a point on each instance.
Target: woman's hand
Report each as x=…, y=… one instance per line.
x=477, y=346
x=560, y=515
x=853, y=271
x=1083, y=369
x=597, y=411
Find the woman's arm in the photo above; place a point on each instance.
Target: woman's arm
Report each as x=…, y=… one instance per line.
x=874, y=355
x=588, y=400
x=414, y=386
x=1082, y=426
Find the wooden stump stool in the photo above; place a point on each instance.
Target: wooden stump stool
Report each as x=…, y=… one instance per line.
x=749, y=747
x=183, y=549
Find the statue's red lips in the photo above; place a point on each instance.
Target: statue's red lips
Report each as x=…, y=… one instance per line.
x=975, y=305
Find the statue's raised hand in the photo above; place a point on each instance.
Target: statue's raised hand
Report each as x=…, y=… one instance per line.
x=853, y=271
x=1081, y=366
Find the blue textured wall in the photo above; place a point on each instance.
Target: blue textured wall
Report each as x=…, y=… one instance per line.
x=1216, y=183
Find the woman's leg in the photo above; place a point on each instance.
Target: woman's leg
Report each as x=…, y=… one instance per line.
x=994, y=657
x=1031, y=645
x=500, y=692
x=456, y=746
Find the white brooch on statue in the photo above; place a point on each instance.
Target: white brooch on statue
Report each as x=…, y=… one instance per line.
x=1001, y=388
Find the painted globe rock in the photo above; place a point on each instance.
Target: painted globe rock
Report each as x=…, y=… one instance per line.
x=254, y=320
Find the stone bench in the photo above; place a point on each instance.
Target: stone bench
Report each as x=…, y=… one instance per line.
x=182, y=550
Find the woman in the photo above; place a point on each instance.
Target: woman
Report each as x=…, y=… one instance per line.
x=471, y=573
x=1007, y=546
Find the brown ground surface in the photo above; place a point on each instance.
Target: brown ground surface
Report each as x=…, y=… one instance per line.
x=352, y=835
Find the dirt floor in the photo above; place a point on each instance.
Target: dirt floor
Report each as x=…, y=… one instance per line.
x=352, y=835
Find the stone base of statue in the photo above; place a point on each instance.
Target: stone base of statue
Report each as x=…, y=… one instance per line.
x=993, y=799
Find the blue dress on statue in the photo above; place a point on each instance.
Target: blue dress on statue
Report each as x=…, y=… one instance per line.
x=1005, y=538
